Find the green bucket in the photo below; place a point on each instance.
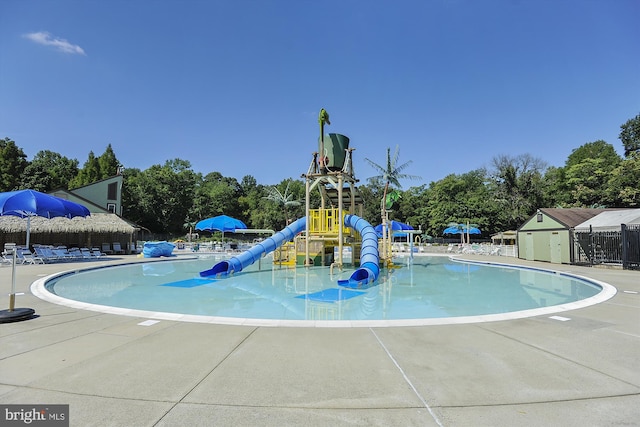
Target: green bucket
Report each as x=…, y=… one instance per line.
x=335, y=146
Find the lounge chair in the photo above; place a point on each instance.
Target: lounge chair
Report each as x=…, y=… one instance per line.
x=7, y=253
x=75, y=253
x=95, y=252
x=56, y=255
x=86, y=253
x=20, y=256
x=27, y=257
x=106, y=248
x=5, y=259
x=117, y=249
x=61, y=253
x=45, y=253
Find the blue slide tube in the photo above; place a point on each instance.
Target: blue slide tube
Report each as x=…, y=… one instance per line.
x=236, y=264
x=369, y=257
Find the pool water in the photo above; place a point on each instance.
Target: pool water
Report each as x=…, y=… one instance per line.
x=427, y=288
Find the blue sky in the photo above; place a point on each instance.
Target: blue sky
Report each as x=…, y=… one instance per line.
x=236, y=86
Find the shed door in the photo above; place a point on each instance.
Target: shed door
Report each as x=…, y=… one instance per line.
x=555, y=248
x=528, y=246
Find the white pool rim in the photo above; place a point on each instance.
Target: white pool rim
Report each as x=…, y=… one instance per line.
x=38, y=288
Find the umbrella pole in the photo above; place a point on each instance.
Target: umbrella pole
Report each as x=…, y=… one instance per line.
x=15, y=314
x=468, y=238
x=28, y=230
x=12, y=295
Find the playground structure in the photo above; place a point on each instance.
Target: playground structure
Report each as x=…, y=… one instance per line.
x=334, y=234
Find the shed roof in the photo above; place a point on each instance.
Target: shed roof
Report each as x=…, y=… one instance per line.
x=611, y=220
x=571, y=217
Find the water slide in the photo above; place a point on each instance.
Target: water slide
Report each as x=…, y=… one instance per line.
x=369, y=258
x=236, y=264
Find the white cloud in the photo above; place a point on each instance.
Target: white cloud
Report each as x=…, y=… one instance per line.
x=46, y=39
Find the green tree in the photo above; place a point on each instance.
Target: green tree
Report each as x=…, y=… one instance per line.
x=217, y=195
x=160, y=198
x=588, y=183
x=130, y=202
x=371, y=195
x=89, y=173
x=445, y=202
x=412, y=207
x=108, y=163
x=630, y=135
x=13, y=161
x=517, y=187
x=250, y=195
x=97, y=168
x=591, y=150
x=556, y=192
x=283, y=199
x=622, y=187
x=49, y=171
x=588, y=168
x=461, y=199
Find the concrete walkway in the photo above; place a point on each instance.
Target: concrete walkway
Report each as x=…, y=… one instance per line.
x=114, y=371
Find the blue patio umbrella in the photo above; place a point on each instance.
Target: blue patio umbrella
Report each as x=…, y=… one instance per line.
x=395, y=226
x=28, y=203
x=471, y=230
x=462, y=229
x=452, y=230
x=220, y=223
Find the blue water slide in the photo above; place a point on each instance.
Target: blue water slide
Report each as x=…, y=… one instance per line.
x=369, y=257
x=236, y=264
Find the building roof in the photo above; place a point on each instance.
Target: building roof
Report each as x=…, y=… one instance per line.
x=71, y=196
x=571, y=217
x=611, y=220
x=505, y=235
x=96, y=223
x=118, y=177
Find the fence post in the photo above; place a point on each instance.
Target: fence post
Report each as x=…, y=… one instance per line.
x=592, y=251
x=625, y=246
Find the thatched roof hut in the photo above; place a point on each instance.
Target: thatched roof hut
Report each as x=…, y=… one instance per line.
x=504, y=237
x=92, y=231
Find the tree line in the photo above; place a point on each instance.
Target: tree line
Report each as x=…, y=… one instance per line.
x=171, y=197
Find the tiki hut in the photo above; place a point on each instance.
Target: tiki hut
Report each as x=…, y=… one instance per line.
x=91, y=232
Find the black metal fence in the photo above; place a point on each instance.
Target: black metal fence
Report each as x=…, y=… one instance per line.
x=608, y=247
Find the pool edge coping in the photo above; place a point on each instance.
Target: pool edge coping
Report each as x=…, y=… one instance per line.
x=608, y=291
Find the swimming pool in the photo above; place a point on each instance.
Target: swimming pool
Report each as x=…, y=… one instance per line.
x=430, y=290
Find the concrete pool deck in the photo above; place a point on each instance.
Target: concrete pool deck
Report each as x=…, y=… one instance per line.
x=578, y=368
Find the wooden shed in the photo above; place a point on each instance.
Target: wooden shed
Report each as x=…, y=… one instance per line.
x=548, y=234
